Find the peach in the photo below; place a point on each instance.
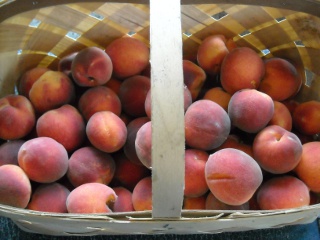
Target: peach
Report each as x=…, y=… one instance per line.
x=28, y=78
x=281, y=116
x=143, y=144
x=43, y=159
x=129, y=56
x=211, y=53
x=283, y=192
x=235, y=141
x=194, y=203
x=250, y=110
x=65, y=63
x=291, y=104
x=308, y=169
x=106, y=131
x=218, y=95
x=52, y=90
x=114, y=84
x=99, y=98
x=64, y=124
x=281, y=80
x=91, y=67
x=195, y=181
x=17, y=117
x=132, y=93
x=88, y=164
x=193, y=77
x=242, y=68
x=91, y=198
x=129, y=147
x=15, y=186
x=49, y=197
x=127, y=173
x=212, y=203
x=306, y=117
x=207, y=125
x=9, y=152
x=231, y=44
x=124, y=200
x=276, y=149
x=142, y=195
x=232, y=176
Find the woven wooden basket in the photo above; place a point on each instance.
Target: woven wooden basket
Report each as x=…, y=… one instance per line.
x=39, y=33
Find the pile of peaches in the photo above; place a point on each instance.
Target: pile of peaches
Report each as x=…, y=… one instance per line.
x=77, y=139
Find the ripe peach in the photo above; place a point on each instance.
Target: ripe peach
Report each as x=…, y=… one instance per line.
x=142, y=195
x=283, y=192
x=241, y=68
x=43, y=159
x=91, y=67
x=9, y=152
x=218, y=95
x=64, y=124
x=114, y=84
x=49, y=197
x=99, y=98
x=143, y=144
x=308, y=169
x=232, y=176
x=124, y=200
x=195, y=203
x=88, y=164
x=281, y=80
x=129, y=56
x=212, y=203
x=15, y=186
x=195, y=181
x=193, y=77
x=132, y=93
x=106, y=131
x=207, y=125
x=65, y=63
x=234, y=141
x=17, y=117
x=306, y=117
x=91, y=198
x=52, y=90
x=281, y=116
x=277, y=150
x=250, y=110
x=211, y=53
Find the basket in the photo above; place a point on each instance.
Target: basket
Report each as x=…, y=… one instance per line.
x=39, y=33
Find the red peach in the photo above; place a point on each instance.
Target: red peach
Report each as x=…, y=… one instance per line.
x=124, y=200
x=142, y=195
x=65, y=63
x=9, y=152
x=143, y=144
x=281, y=116
x=195, y=203
x=218, y=95
x=212, y=203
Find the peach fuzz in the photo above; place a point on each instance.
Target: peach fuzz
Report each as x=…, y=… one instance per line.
x=193, y=77
x=306, y=117
x=212, y=203
x=9, y=152
x=129, y=56
x=43, y=159
x=17, y=117
x=277, y=150
x=281, y=116
x=88, y=164
x=99, y=98
x=308, y=169
x=106, y=131
x=15, y=186
x=283, y=192
x=49, y=197
x=207, y=125
x=132, y=93
x=281, y=80
x=91, y=198
x=64, y=124
x=124, y=200
x=218, y=95
x=194, y=203
x=143, y=144
x=52, y=90
x=242, y=68
x=91, y=67
x=195, y=181
x=250, y=110
x=232, y=176
x=211, y=53
x=127, y=173
x=142, y=195
x=129, y=148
